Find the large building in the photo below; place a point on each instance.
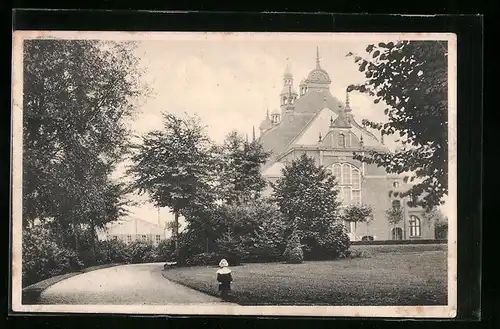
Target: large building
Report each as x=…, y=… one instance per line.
x=312, y=121
x=136, y=229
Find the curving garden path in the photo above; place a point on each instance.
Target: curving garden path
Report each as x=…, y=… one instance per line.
x=137, y=284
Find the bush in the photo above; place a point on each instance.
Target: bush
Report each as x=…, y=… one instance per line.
x=43, y=257
x=141, y=252
x=112, y=251
x=204, y=259
x=293, y=252
x=296, y=256
x=166, y=250
x=441, y=230
x=231, y=249
x=357, y=254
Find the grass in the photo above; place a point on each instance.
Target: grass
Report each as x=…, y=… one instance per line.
x=31, y=293
x=404, y=277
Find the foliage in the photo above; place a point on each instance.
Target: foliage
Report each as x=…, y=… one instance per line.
x=113, y=251
x=141, y=252
x=175, y=166
x=440, y=220
x=230, y=249
x=411, y=78
x=240, y=163
x=293, y=253
x=441, y=230
x=331, y=243
x=43, y=257
x=308, y=193
x=78, y=95
x=358, y=254
x=166, y=250
x=394, y=215
x=356, y=213
x=203, y=259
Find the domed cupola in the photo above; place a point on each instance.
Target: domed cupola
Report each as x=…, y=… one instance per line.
x=318, y=75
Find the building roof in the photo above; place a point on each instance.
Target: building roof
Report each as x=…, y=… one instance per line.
x=306, y=107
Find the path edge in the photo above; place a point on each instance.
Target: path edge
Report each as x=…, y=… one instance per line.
x=31, y=293
x=205, y=291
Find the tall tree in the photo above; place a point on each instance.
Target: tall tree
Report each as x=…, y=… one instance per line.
x=307, y=195
x=175, y=166
x=77, y=97
x=411, y=77
x=240, y=175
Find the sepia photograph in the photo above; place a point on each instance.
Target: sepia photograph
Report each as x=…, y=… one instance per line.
x=277, y=174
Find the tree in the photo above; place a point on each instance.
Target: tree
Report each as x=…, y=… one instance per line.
x=411, y=78
x=307, y=195
x=293, y=253
x=240, y=175
x=394, y=215
x=78, y=95
x=175, y=166
x=440, y=222
x=357, y=213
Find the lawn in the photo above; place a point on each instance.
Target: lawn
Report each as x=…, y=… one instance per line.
x=407, y=277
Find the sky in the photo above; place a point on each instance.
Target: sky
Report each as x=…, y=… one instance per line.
x=229, y=81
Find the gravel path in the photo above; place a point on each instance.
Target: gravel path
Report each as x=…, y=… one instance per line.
x=137, y=284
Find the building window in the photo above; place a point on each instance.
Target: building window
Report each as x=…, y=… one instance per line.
x=341, y=140
x=349, y=179
x=158, y=239
x=144, y=237
x=396, y=204
x=395, y=184
x=397, y=233
x=129, y=238
x=414, y=226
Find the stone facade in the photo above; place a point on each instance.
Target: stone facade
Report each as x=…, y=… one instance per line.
x=315, y=123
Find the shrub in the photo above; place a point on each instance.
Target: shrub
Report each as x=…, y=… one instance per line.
x=166, y=250
x=357, y=254
x=441, y=230
x=231, y=249
x=112, y=251
x=204, y=259
x=328, y=245
x=43, y=257
x=336, y=241
x=296, y=256
x=140, y=252
x=293, y=252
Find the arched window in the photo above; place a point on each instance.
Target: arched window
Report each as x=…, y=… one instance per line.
x=284, y=100
x=396, y=204
x=349, y=180
x=341, y=140
x=414, y=226
x=397, y=233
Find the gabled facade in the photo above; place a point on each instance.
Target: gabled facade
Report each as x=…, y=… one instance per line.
x=315, y=123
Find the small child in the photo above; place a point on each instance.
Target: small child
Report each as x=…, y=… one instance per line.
x=224, y=278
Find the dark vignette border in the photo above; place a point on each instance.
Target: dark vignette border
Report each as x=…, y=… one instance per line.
x=470, y=40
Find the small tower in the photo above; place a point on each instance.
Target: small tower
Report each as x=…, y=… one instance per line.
x=288, y=96
x=253, y=133
x=275, y=117
x=302, y=87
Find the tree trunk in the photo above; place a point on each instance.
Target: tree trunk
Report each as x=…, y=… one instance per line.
x=175, y=232
x=93, y=237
